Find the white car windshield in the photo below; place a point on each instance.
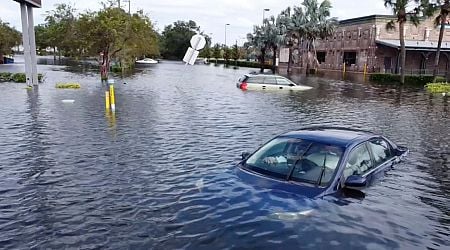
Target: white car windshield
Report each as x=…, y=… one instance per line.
x=297, y=160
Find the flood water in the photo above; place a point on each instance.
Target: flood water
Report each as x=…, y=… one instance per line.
x=159, y=173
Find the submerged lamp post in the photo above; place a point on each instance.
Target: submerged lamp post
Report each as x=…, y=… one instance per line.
x=28, y=39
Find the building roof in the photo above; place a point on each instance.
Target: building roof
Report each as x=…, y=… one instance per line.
x=415, y=45
x=365, y=19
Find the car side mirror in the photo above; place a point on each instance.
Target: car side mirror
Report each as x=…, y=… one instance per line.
x=245, y=155
x=291, y=85
x=400, y=150
x=355, y=181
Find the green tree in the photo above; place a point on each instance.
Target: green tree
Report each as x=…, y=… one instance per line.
x=58, y=32
x=9, y=38
x=206, y=51
x=258, y=42
x=176, y=38
x=115, y=35
x=273, y=37
x=227, y=53
x=235, y=52
x=441, y=20
x=400, y=10
x=216, y=51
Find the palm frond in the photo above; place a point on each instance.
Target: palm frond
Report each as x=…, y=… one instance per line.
x=390, y=25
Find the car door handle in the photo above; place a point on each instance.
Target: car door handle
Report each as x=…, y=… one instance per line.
x=263, y=87
x=281, y=87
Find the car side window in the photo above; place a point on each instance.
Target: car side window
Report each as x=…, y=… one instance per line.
x=257, y=80
x=381, y=151
x=270, y=80
x=281, y=81
x=358, y=162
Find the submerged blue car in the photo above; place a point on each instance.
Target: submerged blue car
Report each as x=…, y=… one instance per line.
x=319, y=161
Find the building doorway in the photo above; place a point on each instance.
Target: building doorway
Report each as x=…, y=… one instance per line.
x=388, y=64
x=349, y=58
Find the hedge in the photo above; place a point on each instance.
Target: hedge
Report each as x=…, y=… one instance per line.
x=411, y=80
x=248, y=64
x=17, y=77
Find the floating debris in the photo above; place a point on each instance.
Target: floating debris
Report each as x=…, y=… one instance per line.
x=69, y=85
x=291, y=216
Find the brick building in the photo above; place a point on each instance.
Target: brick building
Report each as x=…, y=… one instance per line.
x=366, y=41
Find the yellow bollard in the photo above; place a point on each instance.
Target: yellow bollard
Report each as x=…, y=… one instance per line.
x=113, y=101
x=343, y=70
x=107, y=100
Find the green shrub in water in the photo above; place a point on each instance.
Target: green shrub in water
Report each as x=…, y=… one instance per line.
x=68, y=85
x=438, y=87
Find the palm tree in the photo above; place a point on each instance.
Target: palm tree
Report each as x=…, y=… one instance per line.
x=287, y=27
x=258, y=41
x=298, y=23
x=399, y=9
x=318, y=24
x=274, y=36
x=441, y=20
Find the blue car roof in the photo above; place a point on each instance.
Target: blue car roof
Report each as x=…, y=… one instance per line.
x=341, y=137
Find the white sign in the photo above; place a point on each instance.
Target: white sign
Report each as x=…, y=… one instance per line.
x=190, y=56
x=198, y=42
x=284, y=55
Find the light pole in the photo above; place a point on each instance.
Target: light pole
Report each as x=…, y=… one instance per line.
x=226, y=33
x=264, y=11
x=129, y=6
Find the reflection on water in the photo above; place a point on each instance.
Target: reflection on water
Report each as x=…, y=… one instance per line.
x=158, y=173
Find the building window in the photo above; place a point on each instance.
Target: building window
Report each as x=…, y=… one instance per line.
x=321, y=56
x=349, y=58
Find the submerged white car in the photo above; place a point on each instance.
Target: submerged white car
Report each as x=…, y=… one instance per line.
x=268, y=82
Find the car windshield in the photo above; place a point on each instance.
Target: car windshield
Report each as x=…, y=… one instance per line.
x=297, y=160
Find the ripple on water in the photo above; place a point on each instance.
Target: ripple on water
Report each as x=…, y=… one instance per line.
x=158, y=174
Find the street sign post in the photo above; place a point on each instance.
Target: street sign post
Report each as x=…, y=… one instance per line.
x=28, y=39
x=33, y=3
x=198, y=42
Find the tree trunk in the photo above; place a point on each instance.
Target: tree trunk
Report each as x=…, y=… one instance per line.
x=307, y=57
x=104, y=67
x=438, y=51
x=402, y=52
x=316, y=63
x=274, y=59
x=262, y=59
x=54, y=54
x=289, y=60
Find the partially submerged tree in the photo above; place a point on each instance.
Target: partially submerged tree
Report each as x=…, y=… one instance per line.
x=441, y=21
x=112, y=34
x=259, y=43
x=317, y=24
x=176, y=38
x=216, y=51
x=9, y=38
x=404, y=11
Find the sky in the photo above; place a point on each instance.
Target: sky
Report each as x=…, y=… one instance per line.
x=211, y=15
